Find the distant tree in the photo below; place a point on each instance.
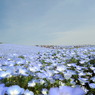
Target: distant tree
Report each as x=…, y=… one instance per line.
x=1, y=43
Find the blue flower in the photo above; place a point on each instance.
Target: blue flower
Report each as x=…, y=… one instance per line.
x=31, y=84
x=3, y=74
x=54, y=91
x=27, y=92
x=78, y=91
x=66, y=90
x=2, y=89
x=44, y=91
x=15, y=90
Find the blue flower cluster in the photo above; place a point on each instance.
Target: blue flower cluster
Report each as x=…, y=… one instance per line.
x=67, y=71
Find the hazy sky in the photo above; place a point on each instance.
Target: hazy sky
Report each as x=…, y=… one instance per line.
x=58, y=22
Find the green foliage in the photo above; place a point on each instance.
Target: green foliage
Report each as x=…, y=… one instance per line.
x=92, y=62
x=21, y=56
x=22, y=81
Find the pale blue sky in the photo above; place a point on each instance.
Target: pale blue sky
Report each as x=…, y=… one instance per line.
x=58, y=22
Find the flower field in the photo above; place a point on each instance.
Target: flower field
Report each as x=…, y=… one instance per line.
x=44, y=71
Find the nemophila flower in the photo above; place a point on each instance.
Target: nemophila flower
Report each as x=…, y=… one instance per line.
x=92, y=85
x=61, y=83
x=3, y=74
x=54, y=91
x=92, y=68
x=72, y=82
x=44, y=91
x=9, y=73
x=39, y=64
x=83, y=80
x=78, y=91
x=0, y=69
x=54, y=64
x=33, y=69
x=93, y=79
x=15, y=90
x=81, y=73
x=57, y=76
x=22, y=71
x=42, y=81
x=11, y=63
x=20, y=61
x=27, y=92
x=67, y=75
x=2, y=89
x=31, y=84
x=11, y=69
x=72, y=64
x=48, y=73
x=84, y=89
x=88, y=73
x=41, y=75
x=61, y=68
x=78, y=68
x=66, y=90
x=82, y=61
x=55, y=71
x=51, y=80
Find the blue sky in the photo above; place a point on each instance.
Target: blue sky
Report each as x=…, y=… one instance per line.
x=38, y=22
